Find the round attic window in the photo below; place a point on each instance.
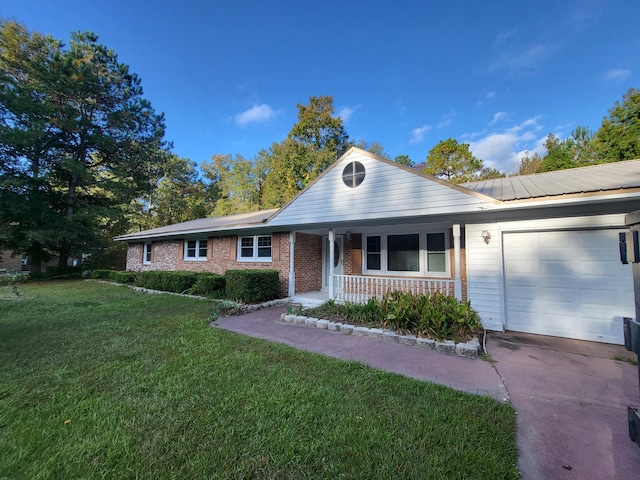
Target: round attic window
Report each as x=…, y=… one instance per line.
x=353, y=174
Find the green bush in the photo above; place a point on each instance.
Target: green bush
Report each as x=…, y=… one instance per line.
x=119, y=276
x=433, y=315
x=173, y=281
x=210, y=284
x=101, y=274
x=252, y=286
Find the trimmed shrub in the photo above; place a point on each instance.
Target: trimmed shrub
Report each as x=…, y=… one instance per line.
x=210, y=284
x=174, y=281
x=252, y=286
x=121, y=277
x=101, y=274
x=150, y=280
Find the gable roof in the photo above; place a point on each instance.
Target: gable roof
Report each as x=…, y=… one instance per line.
x=389, y=190
x=204, y=225
x=591, y=179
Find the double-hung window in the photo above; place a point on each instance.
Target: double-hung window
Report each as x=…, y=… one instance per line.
x=436, y=253
x=254, y=249
x=374, y=253
x=195, y=249
x=146, y=259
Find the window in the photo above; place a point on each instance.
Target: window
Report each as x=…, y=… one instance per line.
x=403, y=253
x=353, y=174
x=374, y=251
x=406, y=254
x=254, y=249
x=147, y=253
x=195, y=250
x=436, y=257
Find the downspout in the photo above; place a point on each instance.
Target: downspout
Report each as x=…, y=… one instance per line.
x=332, y=239
x=292, y=273
x=457, y=279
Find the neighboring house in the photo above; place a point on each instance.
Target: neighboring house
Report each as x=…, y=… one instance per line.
x=10, y=263
x=13, y=263
x=535, y=253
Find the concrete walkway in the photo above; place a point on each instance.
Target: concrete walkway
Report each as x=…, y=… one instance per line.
x=571, y=396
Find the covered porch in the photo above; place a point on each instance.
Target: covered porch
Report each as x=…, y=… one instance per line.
x=349, y=259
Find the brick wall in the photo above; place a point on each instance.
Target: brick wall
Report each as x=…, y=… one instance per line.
x=308, y=262
x=10, y=263
x=222, y=256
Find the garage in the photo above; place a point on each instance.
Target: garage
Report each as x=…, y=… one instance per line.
x=567, y=283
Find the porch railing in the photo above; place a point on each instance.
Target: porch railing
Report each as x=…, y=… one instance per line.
x=359, y=289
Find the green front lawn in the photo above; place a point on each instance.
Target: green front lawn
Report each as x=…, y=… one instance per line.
x=99, y=381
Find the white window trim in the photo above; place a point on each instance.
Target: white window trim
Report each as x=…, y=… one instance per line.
x=422, y=272
x=197, y=258
x=255, y=257
x=144, y=253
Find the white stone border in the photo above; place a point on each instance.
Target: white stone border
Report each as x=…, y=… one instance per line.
x=472, y=348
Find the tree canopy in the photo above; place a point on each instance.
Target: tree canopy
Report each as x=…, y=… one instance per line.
x=618, y=138
x=453, y=161
x=78, y=141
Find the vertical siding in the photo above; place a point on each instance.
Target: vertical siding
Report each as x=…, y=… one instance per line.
x=484, y=274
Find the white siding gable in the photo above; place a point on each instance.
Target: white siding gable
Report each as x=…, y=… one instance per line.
x=388, y=191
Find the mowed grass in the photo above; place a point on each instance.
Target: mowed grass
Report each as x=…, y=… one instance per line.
x=99, y=381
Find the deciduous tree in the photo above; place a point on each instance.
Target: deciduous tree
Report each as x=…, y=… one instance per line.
x=618, y=138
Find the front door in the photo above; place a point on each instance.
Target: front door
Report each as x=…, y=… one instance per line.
x=338, y=262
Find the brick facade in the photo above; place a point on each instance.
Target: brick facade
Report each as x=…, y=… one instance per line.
x=10, y=263
x=308, y=262
x=222, y=256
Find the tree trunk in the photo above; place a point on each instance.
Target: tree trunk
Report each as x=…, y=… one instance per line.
x=65, y=246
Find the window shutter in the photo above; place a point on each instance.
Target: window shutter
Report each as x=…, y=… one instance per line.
x=275, y=247
x=356, y=254
x=233, y=247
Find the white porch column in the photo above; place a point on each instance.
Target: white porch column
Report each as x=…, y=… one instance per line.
x=292, y=271
x=457, y=279
x=332, y=241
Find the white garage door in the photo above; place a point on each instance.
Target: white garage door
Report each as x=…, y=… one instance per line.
x=567, y=284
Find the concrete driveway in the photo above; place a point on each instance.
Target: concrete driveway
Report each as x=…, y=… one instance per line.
x=571, y=396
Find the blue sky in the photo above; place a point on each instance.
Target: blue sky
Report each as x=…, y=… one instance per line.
x=499, y=75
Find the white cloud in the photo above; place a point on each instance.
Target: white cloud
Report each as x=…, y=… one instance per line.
x=346, y=112
x=501, y=150
x=256, y=114
x=522, y=60
x=503, y=36
x=617, y=75
x=417, y=134
x=488, y=96
x=447, y=119
x=497, y=117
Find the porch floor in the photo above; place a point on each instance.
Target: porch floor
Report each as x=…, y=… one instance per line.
x=311, y=299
